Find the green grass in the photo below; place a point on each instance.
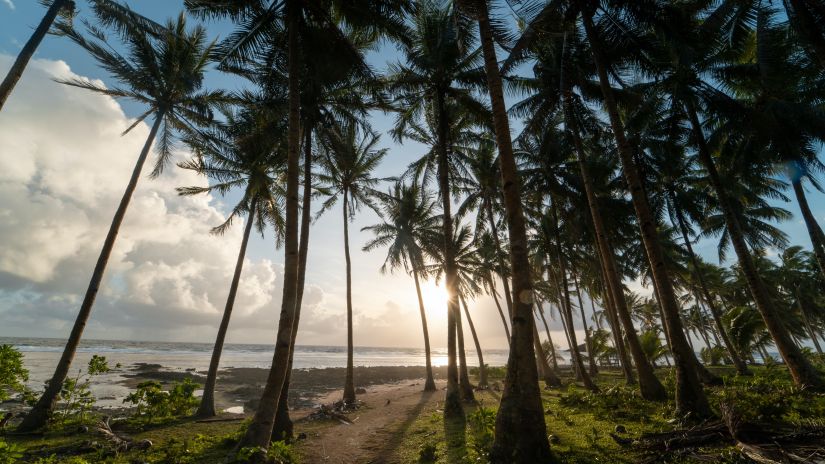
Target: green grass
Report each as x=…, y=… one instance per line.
x=578, y=422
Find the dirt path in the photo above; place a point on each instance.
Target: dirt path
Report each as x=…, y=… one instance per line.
x=378, y=426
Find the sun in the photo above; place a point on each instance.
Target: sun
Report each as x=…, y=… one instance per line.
x=435, y=296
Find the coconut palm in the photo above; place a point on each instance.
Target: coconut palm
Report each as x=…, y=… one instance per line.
x=408, y=223
x=165, y=73
x=607, y=31
x=294, y=26
x=56, y=8
x=241, y=153
x=347, y=165
x=431, y=85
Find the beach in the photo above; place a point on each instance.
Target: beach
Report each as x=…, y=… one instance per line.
x=317, y=376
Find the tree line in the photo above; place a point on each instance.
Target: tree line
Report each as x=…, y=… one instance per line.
x=645, y=127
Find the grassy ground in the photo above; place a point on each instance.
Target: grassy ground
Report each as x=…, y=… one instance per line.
x=579, y=424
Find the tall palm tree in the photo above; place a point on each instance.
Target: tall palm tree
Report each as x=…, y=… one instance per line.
x=242, y=153
x=430, y=85
x=165, y=73
x=348, y=162
x=55, y=8
x=408, y=223
x=290, y=22
x=521, y=434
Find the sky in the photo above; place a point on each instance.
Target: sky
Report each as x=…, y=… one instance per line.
x=63, y=167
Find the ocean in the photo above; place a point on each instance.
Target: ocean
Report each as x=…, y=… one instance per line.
x=41, y=356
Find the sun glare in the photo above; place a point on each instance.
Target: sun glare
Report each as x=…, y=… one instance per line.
x=435, y=296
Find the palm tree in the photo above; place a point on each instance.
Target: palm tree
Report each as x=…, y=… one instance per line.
x=55, y=8
x=267, y=22
x=563, y=89
x=166, y=74
x=237, y=154
x=521, y=433
x=348, y=164
x=408, y=223
x=431, y=84
x=466, y=284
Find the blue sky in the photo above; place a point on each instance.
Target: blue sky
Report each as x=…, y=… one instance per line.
x=380, y=300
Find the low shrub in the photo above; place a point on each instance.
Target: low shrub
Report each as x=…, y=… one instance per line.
x=152, y=403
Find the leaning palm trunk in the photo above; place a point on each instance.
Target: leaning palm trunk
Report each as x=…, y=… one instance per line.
x=494, y=294
x=508, y=297
x=801, y=370
x=482, y=369
x=259, y=432
x=39, y=414
x=16, y=71
x=548, y=375
x=814, y=231
x=429, y=384
x=520, y=433
x=540, y=311
x=567, y=307
x=649, y=385
x=452, y=402
x=690, y=397
x=349, y=382
x=463, y=371
x=741, y=367
x=591, y=360
x=807, y=322
x=207, y=406
x=283, y=427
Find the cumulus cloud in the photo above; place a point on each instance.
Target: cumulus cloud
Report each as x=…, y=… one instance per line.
x=63, y=168
x=9, y=4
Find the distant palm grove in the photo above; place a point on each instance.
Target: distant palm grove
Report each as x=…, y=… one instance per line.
x=571, y=147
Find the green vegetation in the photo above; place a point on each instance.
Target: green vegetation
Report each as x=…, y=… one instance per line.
x=12, y=373
x=644, y=128
x=152, y=403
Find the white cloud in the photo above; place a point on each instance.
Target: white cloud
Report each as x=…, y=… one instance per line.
x=9, y=4
x=63, y=168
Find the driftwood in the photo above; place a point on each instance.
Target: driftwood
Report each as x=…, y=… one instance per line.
x=334, y=411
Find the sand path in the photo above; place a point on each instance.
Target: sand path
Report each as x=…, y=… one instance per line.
x=377, y=429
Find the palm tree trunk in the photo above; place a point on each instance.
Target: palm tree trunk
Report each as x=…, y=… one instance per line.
x=16, y=70
x=452, y=402
x=38, y=416
x=568, y=307
x=207, y=406
x=807, y=322
x=508, y=297
x=429, y=384
x=649, y=385
x=259, y=432
x=494, y=294
x=814, y=231
x=801, y=370
x=520, y=433
x=283, y=427
x=549, y=338
x=545, y=373
x=349, y=382
x=482, y=369
x=463, y=371
x=690, y=397
x=591, y=361
x=741, y=367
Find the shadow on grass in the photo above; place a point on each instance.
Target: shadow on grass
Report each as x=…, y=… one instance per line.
x=397, y=436
x=455, y=432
